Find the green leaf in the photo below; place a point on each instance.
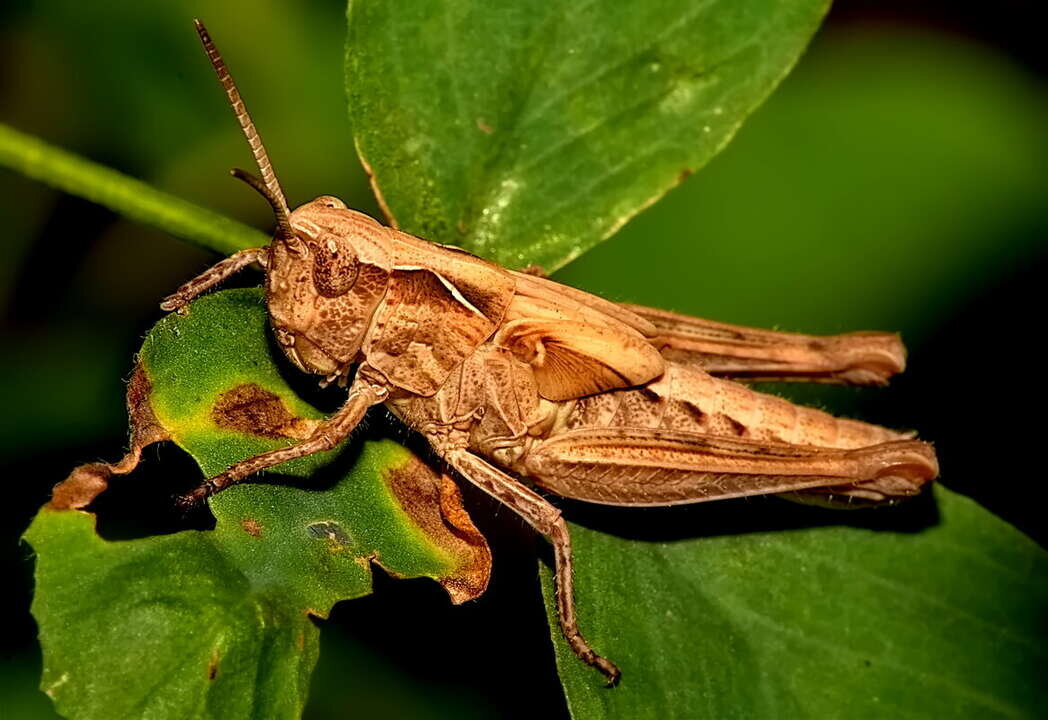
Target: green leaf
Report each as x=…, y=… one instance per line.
x=127, y=196
x=853, y=199
x=881, y=212
x=217, y=624
x=530, y=131
x=775, y=623
x=814, y=622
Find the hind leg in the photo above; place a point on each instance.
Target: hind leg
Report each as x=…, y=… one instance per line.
x=546, y=519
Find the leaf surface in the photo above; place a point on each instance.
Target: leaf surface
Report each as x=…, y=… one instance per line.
x=538, y=129
x=787, y=617
x=877, y=214
x=756, y=608
x=218, y=624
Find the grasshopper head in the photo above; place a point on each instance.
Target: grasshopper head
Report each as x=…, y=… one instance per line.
x=324, y=282
x=327, y=267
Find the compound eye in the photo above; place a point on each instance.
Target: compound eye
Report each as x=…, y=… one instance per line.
x=335, y=267
x=331, y=202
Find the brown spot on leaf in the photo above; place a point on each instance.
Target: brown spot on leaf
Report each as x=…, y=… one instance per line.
x=252, y=527
x=89, y=481
x=484, y=127
x=253, y=410
x=434, y=503
x=684, y=175
x=82, y=486
x=300, y=641
x=212, y=666
x=145, y=428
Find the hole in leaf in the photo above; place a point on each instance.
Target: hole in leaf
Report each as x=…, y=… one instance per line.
x=142, y=503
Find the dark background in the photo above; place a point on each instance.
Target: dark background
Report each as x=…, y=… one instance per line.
x=896, y=181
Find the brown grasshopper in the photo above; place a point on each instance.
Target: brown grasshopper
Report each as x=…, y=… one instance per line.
x=518, y=381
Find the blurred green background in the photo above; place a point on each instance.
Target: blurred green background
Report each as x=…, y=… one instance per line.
x=897, y=180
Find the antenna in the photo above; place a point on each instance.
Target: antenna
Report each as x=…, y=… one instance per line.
x=269, y=187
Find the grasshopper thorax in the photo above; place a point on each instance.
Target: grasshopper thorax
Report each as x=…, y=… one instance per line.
x=325, y=282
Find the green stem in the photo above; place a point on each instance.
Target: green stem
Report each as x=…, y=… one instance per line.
x=125, y=195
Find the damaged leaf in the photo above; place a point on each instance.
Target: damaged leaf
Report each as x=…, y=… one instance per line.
x=88, y=481
x=216, y=624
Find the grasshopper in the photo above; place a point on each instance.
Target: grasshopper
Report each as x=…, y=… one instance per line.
x=520, y=383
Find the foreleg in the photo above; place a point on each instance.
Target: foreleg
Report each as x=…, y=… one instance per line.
x=213, y=276
x=362, y=395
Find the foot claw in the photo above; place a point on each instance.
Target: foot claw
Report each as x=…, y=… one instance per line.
x=193, y=498
x=610, y=670
x=186, y=502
